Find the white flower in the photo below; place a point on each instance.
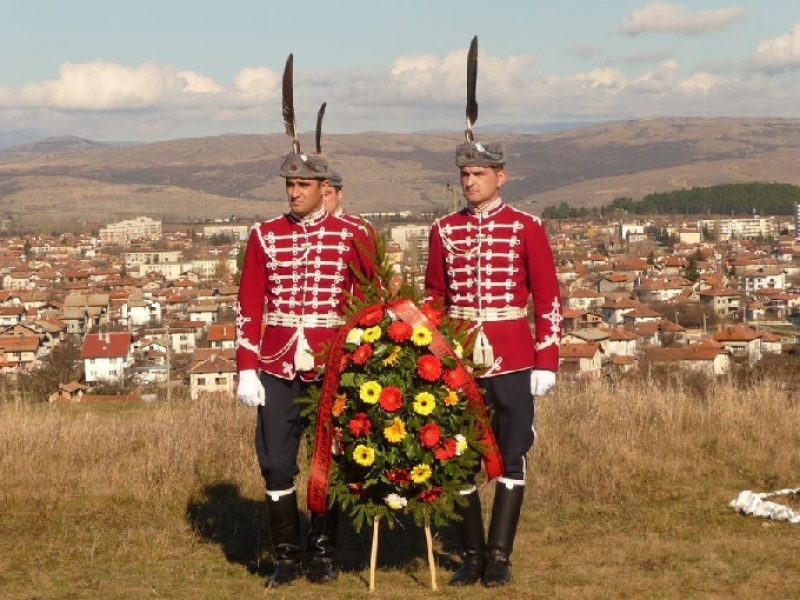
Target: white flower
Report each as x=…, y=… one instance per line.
x=354, y=336
x=395, y=501
x=392, y=316
x=461, y=444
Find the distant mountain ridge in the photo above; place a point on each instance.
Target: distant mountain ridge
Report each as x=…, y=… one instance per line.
x=238, y=174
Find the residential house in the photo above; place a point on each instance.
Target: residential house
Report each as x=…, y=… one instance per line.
x=68, y=392
x=214, y=375
x=222, y=335
x=616, y=282
x=725, y=302
x=106, y=356
x=18, y=354
x=621, y=342
x=743, y=342
x=706, y=359
x=581, y=361
x=583, y=299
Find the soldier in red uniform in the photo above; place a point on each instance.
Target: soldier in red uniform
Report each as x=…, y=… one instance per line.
x=297, y=271
x=485, y=262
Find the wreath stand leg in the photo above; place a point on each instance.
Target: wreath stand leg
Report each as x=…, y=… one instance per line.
x=373, y=557
x=431, y=564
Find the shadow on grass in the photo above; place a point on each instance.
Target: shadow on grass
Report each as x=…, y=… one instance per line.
x=219, y=514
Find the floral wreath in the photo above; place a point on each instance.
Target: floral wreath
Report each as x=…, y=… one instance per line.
x=399, y=420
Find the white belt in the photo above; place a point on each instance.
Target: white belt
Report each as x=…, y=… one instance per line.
x=281, y=319
x=506, y=313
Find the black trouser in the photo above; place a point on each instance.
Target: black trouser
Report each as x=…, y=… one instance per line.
x=278, y=431
x=509, y=396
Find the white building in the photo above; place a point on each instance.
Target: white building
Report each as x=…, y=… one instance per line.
x=124, y=232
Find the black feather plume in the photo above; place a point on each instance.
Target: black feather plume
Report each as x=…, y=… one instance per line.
x=320, y=114
x=289, y=120
x=472, y=82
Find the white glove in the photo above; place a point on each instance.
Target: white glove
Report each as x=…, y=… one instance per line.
x=250, y=390
x=542, y=381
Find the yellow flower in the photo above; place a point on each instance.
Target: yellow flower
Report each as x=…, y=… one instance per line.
x=425, y=403
x=371, y=335
x=421, y=336
x=392, y=358
x=461, y=444
x=451, y=399
x=421, y=473
x=339, y=404
x=364, y=455
x=395, y=432
x=459, y=351
x=370, y=392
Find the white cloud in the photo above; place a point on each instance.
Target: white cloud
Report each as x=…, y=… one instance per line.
x=108, y=86
x=105, y=101
x=779, y=52
x=677, y=18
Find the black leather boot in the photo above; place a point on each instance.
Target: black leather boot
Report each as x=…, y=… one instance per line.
x=471, y=536
x=284, y=529
x=322, y=545
x=503, y=528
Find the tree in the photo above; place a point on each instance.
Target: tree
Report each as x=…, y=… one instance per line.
x=62, y=365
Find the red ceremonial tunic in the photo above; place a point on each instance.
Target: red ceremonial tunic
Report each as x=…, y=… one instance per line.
x=495, y=260
x=296, y=272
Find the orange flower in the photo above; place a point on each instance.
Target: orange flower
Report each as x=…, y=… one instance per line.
x=456, y=378
x=451, y=399
x=399, y=331
x=339, y=404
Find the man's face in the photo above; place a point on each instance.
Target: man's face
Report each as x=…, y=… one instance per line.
x=481, y=185
x=304, y=195
x=331, y=197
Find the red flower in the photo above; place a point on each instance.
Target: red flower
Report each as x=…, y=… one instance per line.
x=358, y=489
x=343, y=361
x=430, y=495
x=400, y=476
x=373, y=316
x=360, y=425
x=429, y=435
x=391, y=399
x=456, y=378
x=399, y=331
x=362, y=354
x=446, y=450
x=434, y=315
x=429, y=368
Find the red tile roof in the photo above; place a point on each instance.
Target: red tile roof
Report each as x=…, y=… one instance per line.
x=106, y=345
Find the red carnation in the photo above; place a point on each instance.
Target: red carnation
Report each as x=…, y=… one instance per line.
x=360, y=425
x=372, y=317
x=429, y=435
x=456, y=378
x=399, y=331
x=400, y=476
x=430, y=495
x=434, y=315
x=446, y=450
x=357, y=489
x=429, y=368
x=362, y=354
x=391, y=399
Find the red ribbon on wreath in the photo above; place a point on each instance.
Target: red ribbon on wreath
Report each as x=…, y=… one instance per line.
x=319, y=473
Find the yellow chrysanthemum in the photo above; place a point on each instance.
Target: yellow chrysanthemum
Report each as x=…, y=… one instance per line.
x=339, y=404
x=370, y=392
x=392, y=358
x=421, y=473
x=421, y=336
x=371, y=334
x=424, y=403
x=395, y=432
x=364, y=455
x=458, y=350
x=451, y=399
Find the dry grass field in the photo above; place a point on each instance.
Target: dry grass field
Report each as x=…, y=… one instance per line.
x=628, y=498
x=237, y=174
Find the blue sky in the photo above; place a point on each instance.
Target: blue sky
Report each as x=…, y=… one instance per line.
x=150, y=70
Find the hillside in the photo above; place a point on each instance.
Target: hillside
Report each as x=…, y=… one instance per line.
x=237, y=174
